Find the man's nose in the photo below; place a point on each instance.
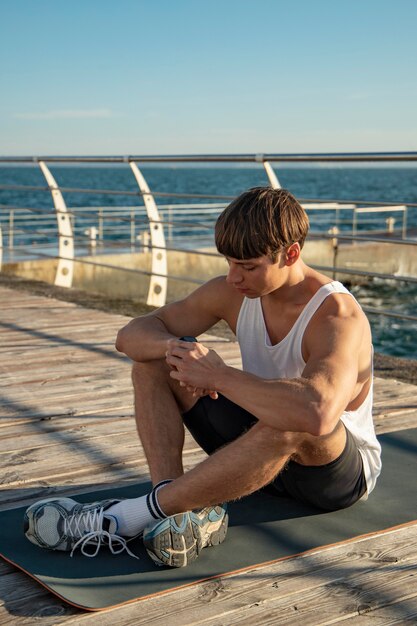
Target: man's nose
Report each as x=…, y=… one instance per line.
x=234, y=276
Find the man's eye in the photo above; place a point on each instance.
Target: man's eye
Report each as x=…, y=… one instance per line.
x=248, y=269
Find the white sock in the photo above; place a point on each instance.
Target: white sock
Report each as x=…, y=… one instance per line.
x=134, y=514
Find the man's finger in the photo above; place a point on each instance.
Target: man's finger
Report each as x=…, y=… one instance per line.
x=173, y=360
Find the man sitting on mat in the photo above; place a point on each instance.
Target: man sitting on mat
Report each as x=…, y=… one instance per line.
x=297, y=420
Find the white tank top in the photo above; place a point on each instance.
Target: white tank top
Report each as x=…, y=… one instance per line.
x=285, y=360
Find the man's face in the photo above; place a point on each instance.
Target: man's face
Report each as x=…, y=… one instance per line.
x=256, y=277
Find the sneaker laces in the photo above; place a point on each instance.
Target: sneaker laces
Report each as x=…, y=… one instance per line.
x=77, y=524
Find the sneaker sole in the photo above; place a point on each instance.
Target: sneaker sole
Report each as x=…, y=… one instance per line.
x=177, y=541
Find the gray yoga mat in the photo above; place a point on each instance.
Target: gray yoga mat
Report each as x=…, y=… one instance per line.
x=262, y=528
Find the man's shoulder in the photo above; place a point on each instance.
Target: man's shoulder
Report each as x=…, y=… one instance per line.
x=220, y=297
x=342, y=304
x=338, y=310
x=220, y=285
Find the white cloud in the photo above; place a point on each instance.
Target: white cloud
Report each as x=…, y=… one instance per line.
x=66, y=114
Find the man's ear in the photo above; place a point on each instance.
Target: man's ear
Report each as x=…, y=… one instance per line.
x=292, y=254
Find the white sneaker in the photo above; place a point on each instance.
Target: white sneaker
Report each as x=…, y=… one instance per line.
x=64, y=524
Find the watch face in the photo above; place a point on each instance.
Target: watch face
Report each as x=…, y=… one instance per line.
x=188, y=338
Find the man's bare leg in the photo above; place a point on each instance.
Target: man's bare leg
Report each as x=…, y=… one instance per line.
x=159, y=401
x=246, y=465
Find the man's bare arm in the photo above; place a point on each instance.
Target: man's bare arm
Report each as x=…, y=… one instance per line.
x=145, y=338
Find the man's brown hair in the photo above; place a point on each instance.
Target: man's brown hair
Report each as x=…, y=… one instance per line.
x=261, y=221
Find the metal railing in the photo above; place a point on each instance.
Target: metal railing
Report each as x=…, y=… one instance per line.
x=157, y=228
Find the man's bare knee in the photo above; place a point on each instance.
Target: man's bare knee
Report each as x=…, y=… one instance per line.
x=287, y=442
x=148, y=375
x=153, y=376
x=298, y=440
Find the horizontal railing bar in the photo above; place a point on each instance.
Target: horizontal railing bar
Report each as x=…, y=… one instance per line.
x=203, y=225
x=380, y=209
x=313, y=234
x=191, y=205
x=402, y=316
x=221, y=158
x=124, y=218
x=96, y=211
x=127, y=244
x=34, y=245
x=117, y=192
x=361, y=238
x=45, y=213
x=113, y=192
x=196, y=209
x=345, y=270
x=376, y=203
x=321, y=206
x=113, y=244
x=138, y=218
x=50, y=213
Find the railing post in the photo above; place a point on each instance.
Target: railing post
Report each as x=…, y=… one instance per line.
x=334, y=230
x=132, y=229
x=390, y=222
x=11, y=229
x=354, y=221
x=272, y=177
x=100, y=224
x=170, y=219
x=65, y=270
x=404, y=233
x=92, y=235
x=158, y=284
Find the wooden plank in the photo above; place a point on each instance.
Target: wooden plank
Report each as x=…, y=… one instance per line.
x=396, y=421
x=38, y=434
x=400, y=613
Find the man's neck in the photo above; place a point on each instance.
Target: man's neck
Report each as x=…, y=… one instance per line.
x=301, y=284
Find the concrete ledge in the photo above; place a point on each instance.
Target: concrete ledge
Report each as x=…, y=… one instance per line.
x=372, y=257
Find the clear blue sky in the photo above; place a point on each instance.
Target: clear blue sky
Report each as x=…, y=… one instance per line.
x=203, y=76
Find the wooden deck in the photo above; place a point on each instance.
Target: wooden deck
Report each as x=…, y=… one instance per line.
x=67, y=427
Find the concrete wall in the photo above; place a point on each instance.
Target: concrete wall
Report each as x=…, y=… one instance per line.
x=374, y=257
x=116, y=282
x=378, y=257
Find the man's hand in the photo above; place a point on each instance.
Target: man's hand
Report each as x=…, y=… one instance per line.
x=194, y=366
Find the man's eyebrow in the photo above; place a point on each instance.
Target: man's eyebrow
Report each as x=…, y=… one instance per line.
x=242, y=261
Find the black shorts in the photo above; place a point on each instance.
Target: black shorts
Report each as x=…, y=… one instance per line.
x=336, y=485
